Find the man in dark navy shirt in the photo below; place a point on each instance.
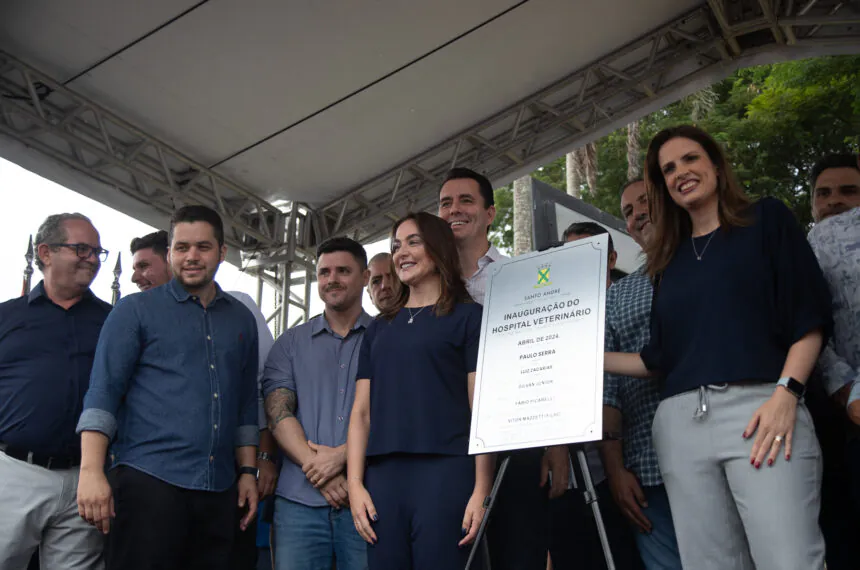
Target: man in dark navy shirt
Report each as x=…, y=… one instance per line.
x=174, y=385
x=47, y=342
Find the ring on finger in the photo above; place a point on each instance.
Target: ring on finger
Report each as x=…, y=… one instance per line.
x=778, y=439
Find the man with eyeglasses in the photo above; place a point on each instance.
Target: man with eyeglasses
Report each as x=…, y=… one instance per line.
x=47, y=344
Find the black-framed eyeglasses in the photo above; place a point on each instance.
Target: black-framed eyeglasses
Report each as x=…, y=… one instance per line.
x=85, y=250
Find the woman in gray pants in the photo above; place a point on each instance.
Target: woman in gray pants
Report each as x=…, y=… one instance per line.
x=739, y=316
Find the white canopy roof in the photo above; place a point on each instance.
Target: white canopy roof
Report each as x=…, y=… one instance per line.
x=354, y=108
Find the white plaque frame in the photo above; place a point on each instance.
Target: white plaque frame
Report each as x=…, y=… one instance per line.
x=540, y=361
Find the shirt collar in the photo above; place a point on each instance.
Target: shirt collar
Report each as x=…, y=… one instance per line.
x=320, y=324
x=181, y=295
x=489, y=257
x=38, y=292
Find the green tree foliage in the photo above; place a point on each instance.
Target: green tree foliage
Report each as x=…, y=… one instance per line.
x=775, y=121
x=502, y=230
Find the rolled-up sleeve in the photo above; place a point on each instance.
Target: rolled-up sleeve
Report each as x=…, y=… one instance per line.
x=279, y=366
x=835, y=370
x=248, y=432
x=652, y=353
x=854, y=395
x=611, y=382
x=265, y=340
x=117, y=352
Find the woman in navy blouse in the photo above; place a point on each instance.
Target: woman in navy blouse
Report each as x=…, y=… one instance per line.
x=419, y=501
x=739, y=316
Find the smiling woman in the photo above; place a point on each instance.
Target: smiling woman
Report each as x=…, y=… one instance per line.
x=692, y=190
x=425, y=258
x=421, y=494
x=739, y=315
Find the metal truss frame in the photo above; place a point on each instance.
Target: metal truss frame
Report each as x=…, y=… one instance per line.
x=638, y=78
x=86, y=137
x=81, y=134
x=277, y=241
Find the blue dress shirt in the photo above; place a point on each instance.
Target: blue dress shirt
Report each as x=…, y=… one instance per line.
x=174, y=385
x=318, y=365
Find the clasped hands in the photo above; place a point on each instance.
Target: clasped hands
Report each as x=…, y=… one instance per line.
x=325, y=471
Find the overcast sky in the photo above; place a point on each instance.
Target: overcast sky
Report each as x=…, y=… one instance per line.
x=30, y=198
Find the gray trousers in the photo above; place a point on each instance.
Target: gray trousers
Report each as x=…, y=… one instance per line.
x=727, y=513
x=38, y=509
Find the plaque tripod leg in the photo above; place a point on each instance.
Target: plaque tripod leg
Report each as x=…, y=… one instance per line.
x=591, y=499
x=482, y=528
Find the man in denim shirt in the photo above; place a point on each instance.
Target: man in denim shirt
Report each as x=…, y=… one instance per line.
x=152, y=269
x=174, y=386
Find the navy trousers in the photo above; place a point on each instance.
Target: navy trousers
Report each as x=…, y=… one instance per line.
x=420, y=501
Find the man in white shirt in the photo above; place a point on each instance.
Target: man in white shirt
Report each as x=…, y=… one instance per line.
x=518, y=530
x=835, y=239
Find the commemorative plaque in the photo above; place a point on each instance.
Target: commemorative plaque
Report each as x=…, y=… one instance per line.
x=540, y=363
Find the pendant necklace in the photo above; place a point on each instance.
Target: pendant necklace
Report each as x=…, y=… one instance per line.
x=707, y=243
x=411, y=316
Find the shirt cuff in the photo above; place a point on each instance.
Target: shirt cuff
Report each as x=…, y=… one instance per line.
x=94, y=419
x=855, y=393
x=611, y=399
x=247, y=435
x=835, y=372
x=611, y=396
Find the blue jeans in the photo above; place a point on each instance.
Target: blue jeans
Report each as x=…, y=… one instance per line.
x=311, y=538
x=659, y=548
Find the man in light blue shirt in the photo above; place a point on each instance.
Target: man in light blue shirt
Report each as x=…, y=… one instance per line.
x=309, y=388
x=835, y=239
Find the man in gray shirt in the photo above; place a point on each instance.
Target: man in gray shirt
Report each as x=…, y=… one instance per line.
x=309, y=387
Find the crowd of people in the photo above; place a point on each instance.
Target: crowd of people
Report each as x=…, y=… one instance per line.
x=149, y=434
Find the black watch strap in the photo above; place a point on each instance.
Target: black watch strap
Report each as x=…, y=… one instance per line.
x=248, y=470
x=797, y=389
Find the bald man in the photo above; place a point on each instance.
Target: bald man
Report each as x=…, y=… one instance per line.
x=383, y=286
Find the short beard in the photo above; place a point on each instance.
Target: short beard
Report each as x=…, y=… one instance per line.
x=342, y=306
x=196, y=287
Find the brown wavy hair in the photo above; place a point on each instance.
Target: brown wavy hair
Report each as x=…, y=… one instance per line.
x=442, y=249
x=670, y=222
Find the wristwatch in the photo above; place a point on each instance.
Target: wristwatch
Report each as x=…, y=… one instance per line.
x=795, y=388
x=248, y=470
x=265, y=456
